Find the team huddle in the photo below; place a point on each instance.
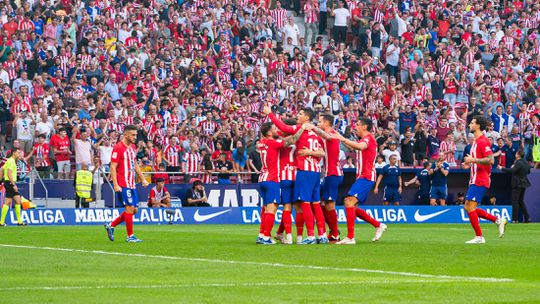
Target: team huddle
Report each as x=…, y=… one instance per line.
x=294, y=154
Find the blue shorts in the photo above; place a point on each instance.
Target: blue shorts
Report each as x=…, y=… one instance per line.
x=360, y=189
x=128, y=197
x=438, y=192
x=307, y=187
x=475, y=193
x=422, y=198
x=269, y=192
x=330, y=187
x=391, y=195
x=287, y=191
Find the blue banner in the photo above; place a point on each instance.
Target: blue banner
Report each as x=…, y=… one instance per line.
x=243, y=215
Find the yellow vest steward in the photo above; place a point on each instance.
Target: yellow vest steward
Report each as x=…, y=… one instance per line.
x=83, y=183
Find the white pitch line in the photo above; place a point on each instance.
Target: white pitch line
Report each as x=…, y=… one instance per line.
x=248, y=284
x=312, y=267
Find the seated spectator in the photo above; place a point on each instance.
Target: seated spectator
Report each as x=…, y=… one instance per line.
x=159, y=197
x=392, y=150
x=349, y=163
x=196, y=196
x=460, y=199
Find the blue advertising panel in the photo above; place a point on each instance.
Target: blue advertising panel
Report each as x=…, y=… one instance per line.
x=242, y=215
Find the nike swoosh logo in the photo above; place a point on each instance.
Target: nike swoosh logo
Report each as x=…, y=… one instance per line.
x=204, y=217
x=422, y=218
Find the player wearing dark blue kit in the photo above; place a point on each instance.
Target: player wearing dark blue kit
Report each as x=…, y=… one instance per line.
x=439, y=182
x=423, y=180
x=391, y=176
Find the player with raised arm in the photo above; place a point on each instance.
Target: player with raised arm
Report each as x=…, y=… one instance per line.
x=366, y=152
x=287, y=168
x=123, y=169
x=334, y=173
x=309, y=151
x=269, y=148
x=480, y=161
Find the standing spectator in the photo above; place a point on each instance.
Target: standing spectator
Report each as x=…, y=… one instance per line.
x=433, y=145
x=24, y=127
x=341, y=22
x=407, y=148
x=392, y=150
x=172, y=155
x=311, y=12
x=447, y=150
x=191, y=163
x=291, y=30
x=41, y=156
x=82, y=145
x=225, y=168
x=520, y=169
x=392, y=59
x=240, y=158
x=61, y=149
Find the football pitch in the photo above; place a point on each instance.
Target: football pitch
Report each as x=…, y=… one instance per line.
x=423, y=263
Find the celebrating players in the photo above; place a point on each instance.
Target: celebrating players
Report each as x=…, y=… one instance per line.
x=334, y=173
x=366, y=151
x=287, y=168
x=307, y=187
x=123, y=169
x=269, y=148
x=480, y=161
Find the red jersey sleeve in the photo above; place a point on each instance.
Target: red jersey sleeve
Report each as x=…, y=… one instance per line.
x=281, y=125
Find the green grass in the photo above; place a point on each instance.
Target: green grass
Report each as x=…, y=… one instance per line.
x=179, y=264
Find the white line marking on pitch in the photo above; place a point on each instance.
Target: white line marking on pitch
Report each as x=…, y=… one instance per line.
x=313, y=267
x=248, y=284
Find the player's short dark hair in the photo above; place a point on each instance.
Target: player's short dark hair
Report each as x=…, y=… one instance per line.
x=62, y=130
x=265, y=128
x=160, y=179
x=328, y=118
x=521, y=153
x=42, y=136
x=290, y=121
x=364, y=121
x=427, y=164
x=309, y=113
x=197, y=183
x=130, y=128
x=481, y=121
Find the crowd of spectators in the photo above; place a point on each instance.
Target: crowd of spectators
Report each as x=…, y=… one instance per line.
x=194, y=76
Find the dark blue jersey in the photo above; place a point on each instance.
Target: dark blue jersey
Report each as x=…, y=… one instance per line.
x=391, y=176
x=437, y=178
x=425, y=180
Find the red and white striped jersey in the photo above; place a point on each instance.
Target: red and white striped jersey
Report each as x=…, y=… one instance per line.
x=41, y=155
x=174, y=121
x=11, y=67
x=125, y=157
x=311, y=12
x=192, y=162
x=279, y=16
x=171, y=155
x=308, y=140
x=365, y=159
x=269, y=150
x=208, y=127
x=331, y=158
x=508, y=43
x=287, y=163
x=448, y=147
x=481, y=174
